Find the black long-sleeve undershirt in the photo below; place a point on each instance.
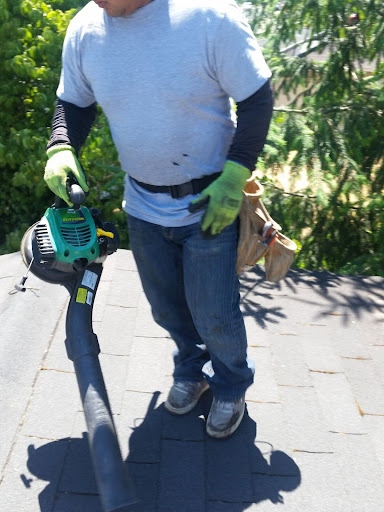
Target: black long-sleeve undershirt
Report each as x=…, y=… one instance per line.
x=253, y=119
x=72, y=124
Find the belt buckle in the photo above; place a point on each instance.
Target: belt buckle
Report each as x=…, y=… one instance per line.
x=174, y=191
x=179, y=191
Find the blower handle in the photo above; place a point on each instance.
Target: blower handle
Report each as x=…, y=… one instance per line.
x=75, y=193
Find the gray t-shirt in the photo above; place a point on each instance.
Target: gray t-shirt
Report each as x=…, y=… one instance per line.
x=163, y=76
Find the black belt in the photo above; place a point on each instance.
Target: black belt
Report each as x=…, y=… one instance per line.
x=178, y=191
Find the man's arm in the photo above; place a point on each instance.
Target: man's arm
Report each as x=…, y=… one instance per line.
x=70, y=128
x=226, y=192
x=253, y=119
x=71, y=124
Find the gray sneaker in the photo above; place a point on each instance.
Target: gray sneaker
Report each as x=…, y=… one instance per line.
x=225, y=417
x=183, y=396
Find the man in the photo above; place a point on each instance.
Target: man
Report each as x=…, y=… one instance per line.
x=163, y=71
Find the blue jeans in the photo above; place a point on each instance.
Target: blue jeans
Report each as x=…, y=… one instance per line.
x=193, y=290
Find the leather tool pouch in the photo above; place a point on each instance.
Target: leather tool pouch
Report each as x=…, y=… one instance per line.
x=257, y=239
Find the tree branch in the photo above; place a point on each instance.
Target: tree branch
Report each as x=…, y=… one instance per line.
x=339, y=108
x=282, y=191
x=290, y=110
x=308, y=196
x=303, y=41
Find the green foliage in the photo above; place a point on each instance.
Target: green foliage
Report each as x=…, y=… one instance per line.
x=328, y=79
x=328, y=121
x=31, y=38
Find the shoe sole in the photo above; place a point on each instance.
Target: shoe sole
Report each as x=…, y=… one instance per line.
x=226, y=433
x=187, y=408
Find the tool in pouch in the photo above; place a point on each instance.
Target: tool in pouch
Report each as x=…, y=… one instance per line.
x=268, y=234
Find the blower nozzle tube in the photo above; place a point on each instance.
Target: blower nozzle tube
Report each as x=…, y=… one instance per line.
x=83, y=349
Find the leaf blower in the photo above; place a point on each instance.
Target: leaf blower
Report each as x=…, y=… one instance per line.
x=67, y=239
x=68, y=247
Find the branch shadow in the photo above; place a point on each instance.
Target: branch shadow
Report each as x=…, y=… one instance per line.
x=254, y=290
x=347, y=296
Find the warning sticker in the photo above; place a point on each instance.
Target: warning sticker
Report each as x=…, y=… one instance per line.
x=81, y=295
x=90, y=298
x=89, y=279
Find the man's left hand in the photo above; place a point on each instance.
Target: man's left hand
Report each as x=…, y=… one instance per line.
x=225, y=197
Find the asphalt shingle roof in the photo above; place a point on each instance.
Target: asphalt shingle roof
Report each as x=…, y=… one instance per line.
x=312, y=438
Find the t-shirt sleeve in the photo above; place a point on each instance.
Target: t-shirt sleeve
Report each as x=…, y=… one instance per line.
x=239, y=64
x=74, y=86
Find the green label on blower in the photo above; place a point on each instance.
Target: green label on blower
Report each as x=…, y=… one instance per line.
x=70, y=216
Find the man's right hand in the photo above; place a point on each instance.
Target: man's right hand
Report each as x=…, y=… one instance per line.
x=62, y=161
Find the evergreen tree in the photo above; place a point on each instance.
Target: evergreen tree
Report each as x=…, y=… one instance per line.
x=327, y=62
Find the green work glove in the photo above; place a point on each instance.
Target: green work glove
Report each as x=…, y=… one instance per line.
x=225, y=197
x=62, y=160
